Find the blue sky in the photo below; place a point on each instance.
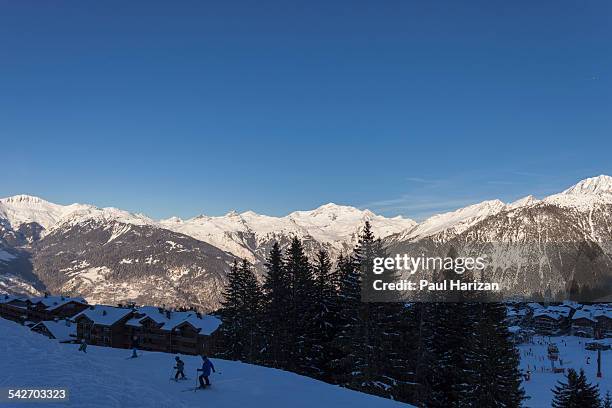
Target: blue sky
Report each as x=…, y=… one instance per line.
x=181, y=108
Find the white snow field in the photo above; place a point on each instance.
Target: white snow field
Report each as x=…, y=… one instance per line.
x=573, y=354
x=106, y=378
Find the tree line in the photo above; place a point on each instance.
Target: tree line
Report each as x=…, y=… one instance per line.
x=308, y=317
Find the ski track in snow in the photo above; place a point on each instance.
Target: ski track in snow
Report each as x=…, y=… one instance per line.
x=105, y=378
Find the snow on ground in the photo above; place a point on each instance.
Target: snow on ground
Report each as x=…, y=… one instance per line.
x=573, y=354
x=106, y=378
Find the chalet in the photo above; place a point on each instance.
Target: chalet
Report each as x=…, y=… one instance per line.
x=193, y=335
x=593, y=321
x=604, y=324
x=52, y=307
x=158, y=329
x=103, y=325
x=14, y=308
x=552, y=320
x=583, y=323
x=63, y=331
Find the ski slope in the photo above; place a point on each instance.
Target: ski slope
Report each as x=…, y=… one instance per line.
x=105, y=378
x=573, y=354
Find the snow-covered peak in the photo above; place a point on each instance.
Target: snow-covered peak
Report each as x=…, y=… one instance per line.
x=172, y=220
x=332, y=222
x=523, y=202
x=601, y=185
x=459, y=220
x=108, y=214
x=24, y=199
x=584, y=195
x=21, y=209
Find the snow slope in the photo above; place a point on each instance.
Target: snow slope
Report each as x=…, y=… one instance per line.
x=105, y=378
x=573, y=354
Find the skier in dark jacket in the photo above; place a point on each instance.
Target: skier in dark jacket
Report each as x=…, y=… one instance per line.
x=180, y=366
x=83, y=346
x=207, y=365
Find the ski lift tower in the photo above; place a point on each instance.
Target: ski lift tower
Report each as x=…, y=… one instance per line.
x=599, y=363
x=553, y=354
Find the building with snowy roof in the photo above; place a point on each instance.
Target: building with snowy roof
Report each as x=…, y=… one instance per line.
x=592, y=321
x=159, y=329
x=54, y=307
x=552, y=320
x=63, y=331
x=14, y=308
x=103, y=325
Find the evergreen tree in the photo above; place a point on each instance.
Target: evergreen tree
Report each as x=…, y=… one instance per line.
x=250, y=312
x=493, y=376
x=241, y=313
x=230, y=315
x=326, y=315
x=607, y=402
x=370, y=334
x=447, y=331
x=277, y=302
x=448, y=334
x=576, y=393
x=349, y=304
x=302, y=310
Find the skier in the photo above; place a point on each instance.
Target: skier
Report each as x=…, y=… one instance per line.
x=134, y=347
x=206, y=367
x=83, y=346
x=180, y=366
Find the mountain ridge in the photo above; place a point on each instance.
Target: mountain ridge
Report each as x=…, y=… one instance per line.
x=80, y=248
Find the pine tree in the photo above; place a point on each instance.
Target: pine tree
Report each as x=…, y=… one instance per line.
x=448, y=331
x=230, y=315
x=277, y=303
x=349, y=304
x=250, y=312
x=302, y=309
x=325, y=317
x=493, y=377
x=607, y=402
x=576, y=393
x=241, y=313
x=370, y=333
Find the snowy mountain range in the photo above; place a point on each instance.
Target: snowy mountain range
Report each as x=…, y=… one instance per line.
x=110, y=255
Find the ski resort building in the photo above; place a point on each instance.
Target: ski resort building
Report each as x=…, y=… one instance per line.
x=63, y=331
x=186, y=332
x=37, y=309
x=148, y=328
x=52, y=307
x=552, y=320
x=13, y=308
x=593, y=321
x=104, y=325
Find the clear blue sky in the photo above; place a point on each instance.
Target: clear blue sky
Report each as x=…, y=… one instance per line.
x=179, y=108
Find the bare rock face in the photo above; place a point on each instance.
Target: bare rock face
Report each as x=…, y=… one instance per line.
x=111, y=262
x=539, y=251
